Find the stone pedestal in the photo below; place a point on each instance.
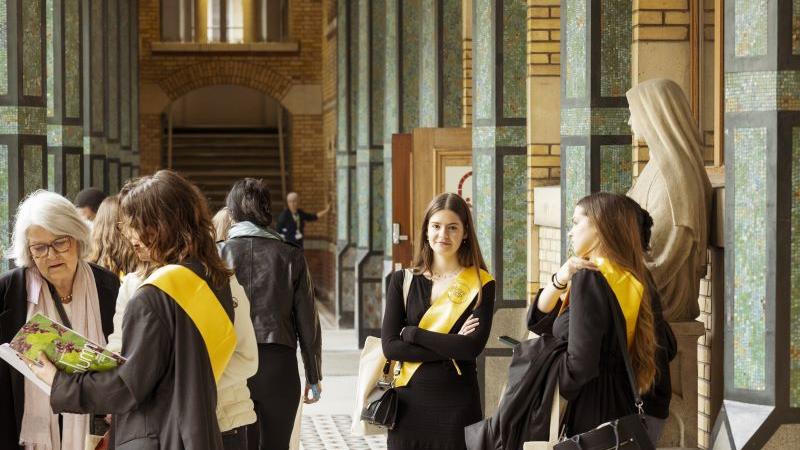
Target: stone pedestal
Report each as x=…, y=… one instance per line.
x=681, y=427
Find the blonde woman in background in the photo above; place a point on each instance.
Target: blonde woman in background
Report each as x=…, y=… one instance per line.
x=222, y=223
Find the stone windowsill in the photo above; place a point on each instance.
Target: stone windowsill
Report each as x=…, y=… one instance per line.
x=224, y=47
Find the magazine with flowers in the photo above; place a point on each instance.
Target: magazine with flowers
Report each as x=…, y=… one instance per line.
x=68, y=350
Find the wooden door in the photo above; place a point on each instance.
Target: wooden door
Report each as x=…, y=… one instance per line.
x=436, y=152
x=402, y=148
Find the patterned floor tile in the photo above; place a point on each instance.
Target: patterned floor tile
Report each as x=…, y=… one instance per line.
x=332, y=432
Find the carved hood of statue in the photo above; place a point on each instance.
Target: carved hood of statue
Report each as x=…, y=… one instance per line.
x=675, y=189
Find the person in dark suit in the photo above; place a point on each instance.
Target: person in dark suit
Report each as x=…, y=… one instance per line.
x=50, y=247
x=292, y=221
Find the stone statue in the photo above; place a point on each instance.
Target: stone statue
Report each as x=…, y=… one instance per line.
x=675, y=189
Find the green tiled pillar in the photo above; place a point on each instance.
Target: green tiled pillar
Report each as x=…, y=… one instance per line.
x=94, y=93
x=125, y=156
x=134, y=69
x=112, y=94
x=761, y=407
x=500, y=171
x=64, y=90
x=595, y=74
x=369, y=167
x=441, y=72
x=23, y=106
x=347, y=81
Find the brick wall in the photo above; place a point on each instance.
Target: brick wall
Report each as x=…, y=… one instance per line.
x=172, y=75
x=549, y=253
x=710, y=351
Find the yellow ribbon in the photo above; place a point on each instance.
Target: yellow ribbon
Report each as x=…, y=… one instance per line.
x=194, y=296
x=445, y=311
x=628, y=291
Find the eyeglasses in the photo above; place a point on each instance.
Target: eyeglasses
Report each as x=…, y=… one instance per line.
x=59, y=245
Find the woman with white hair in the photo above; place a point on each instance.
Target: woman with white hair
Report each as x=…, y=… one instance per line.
x=50, y=245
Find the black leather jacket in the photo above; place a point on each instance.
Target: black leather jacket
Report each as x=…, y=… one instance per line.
x=275, y=278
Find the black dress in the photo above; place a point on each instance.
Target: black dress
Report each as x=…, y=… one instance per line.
x=592, y=374
x=437, y=403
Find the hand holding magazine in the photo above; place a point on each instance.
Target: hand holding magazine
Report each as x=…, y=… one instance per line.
x=68, y=350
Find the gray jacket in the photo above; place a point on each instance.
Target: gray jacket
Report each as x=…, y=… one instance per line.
x=275, y=278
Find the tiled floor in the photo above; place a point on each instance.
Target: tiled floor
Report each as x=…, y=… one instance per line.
x=332, y=432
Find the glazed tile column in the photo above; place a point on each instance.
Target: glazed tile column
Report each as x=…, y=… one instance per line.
x=761, y=407
x=112, y=95
x=125, y=156
x=369, y=167
x=466, y=63
x=347, y=80
x=64, y=90
x=93, y=69
x=23, y=106
x=134, y=103
x=441, y=64
x=401, y=93
x=498, y=161
x=595, y=74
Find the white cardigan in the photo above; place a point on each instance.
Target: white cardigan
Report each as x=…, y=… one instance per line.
x=234, y=406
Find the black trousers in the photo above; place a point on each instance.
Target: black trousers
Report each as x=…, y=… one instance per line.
x=235, y=439
x=275, y=390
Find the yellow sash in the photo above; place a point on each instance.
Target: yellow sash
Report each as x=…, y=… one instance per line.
x=628, y=291
x=445, y=311
x=194, y=296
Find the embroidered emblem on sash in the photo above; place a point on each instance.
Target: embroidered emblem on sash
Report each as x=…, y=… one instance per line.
x=457, y=293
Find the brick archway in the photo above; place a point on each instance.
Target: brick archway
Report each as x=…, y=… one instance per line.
x=254, y=76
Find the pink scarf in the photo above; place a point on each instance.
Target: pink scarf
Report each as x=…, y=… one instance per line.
x=39, y=424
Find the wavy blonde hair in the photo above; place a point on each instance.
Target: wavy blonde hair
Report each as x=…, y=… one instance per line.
x=110, y=248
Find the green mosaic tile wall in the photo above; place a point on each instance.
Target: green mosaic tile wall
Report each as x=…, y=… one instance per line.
x=796, y=27
x=341, y=91
x=515, y=222
x=72, y=55
x=428, y=79
x=23, y=120
x=364, y=75
x=125, y=78
x=616, y=34
x=353, y=201
x=616, y=174
x=342, y=203
x=50, y=58
x=378, y=227
x=378, y=55
x=64, y=135
x=98, y=84
x=577, y=53
x=749, y=258
x=113, y=177
x=73, y=174
x=452, y=55
x=32, y=48
x=595, y=121
x=409, y=77
x=762, y=91
x=508, y=136
x=32, y=168
x=514, y=58
x=483, y=167
x=576, y=186
x=794, y=322
x=750, y=30
x=4, y=206
x=362, y=195
x=112, y=69
x=125, y=174
x=483, y=66
x=355, y=75
x=3, y=50
x=97, y=173
x=51, y=172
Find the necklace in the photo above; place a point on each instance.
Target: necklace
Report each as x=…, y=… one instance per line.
x=445, y=275
x=66, y=299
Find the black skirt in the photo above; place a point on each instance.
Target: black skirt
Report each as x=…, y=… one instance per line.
x=435, y=407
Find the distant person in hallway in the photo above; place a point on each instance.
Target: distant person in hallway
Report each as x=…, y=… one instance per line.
x=88, y=202
x=439, y=330
x=222, y=224
x=277, y=282
x=178, y=334
x=606, y=276
x=292, y=221
x=50, y=246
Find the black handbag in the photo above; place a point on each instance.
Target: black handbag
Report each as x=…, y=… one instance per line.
x=381, y=405
x=626, y=433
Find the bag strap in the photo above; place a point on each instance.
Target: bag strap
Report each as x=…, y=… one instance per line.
x=623, y=345
x=407, y=277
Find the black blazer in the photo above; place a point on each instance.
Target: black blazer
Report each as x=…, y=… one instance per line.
x=13, y=310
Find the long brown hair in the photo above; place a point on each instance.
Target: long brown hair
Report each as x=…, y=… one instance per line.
x=172, y=219
x=110, y=249
x=469, y=252
x=620, y=237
